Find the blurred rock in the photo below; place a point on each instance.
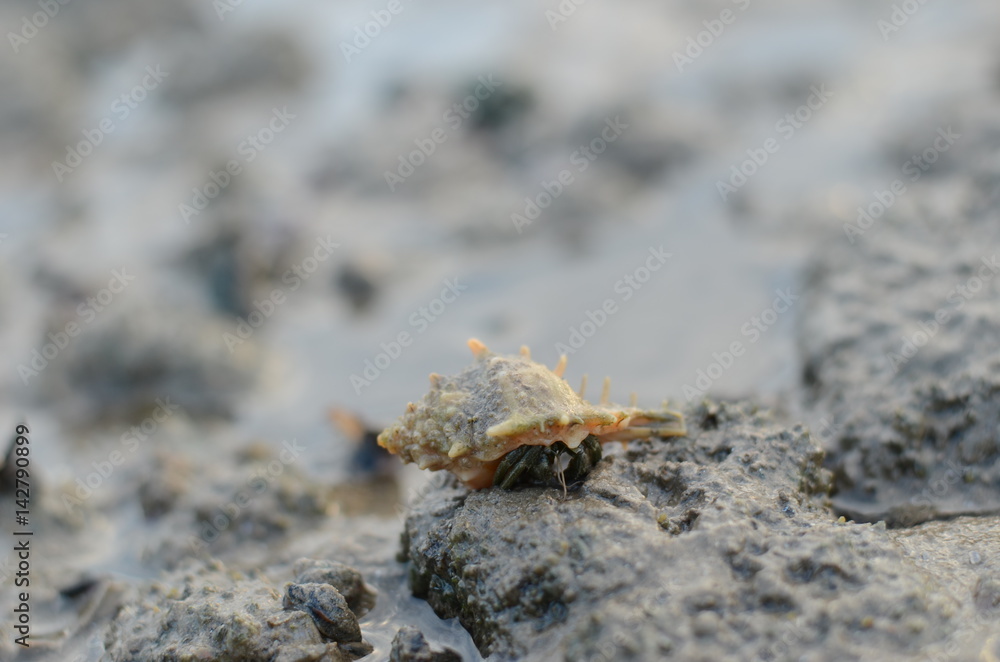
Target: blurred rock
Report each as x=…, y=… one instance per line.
x=139, y=363
x=94, y=32
x=241, y=261
x=409, y=645
x=348, y=581
x=217, y=614
x=900, y=334
x=357, y=286
x=166, y=480
x=233, y=63
x=505, y=106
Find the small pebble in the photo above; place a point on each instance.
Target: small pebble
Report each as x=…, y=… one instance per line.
x=328, y=608
x=409, y=645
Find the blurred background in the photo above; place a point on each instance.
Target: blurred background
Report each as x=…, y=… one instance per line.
x=219, y=220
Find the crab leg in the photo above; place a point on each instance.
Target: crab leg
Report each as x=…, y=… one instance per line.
x=645, y=424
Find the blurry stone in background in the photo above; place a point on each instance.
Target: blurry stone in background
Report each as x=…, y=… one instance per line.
x=137, y=362
x=240, y=261
x=356, y=286
x=267, y=62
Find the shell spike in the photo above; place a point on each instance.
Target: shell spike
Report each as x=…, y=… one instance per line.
x=435, y=379
x=479, y=350
x=606, y=391
x=526, y=352
x=560, y=367
x=583, y=386
x=633, y=399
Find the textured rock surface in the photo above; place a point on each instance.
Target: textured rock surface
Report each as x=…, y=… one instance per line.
x=216, y=614
x=714, y=547
x=409, y=645
x=901, y=341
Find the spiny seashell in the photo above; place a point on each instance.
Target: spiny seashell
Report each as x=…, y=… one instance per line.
x=467, y=423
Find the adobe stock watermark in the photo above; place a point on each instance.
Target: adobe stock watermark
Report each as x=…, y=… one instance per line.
x=580, y=159
x=625, y=288
x=420, y=320
x=120, y=109
x=249, y=149
x=697, y=44
x=785, y=127
x=293, y=278
x=129, y=441
x=957, y=297
x=30, y=25
x=223, y=7
x=86, y=312
x=562, y=12
x=913, y=169
x=900, y=16
x=364, y=34
x=754, y=329
x=256, y=485
x=454, y=117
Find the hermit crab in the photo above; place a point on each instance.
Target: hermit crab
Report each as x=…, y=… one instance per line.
x=507, y=420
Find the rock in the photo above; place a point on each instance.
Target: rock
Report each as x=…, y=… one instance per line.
x=348, y=582
x=168, y=479
x=328, y=609
x=231, y=64
x=140, y=367
x=901, y=342
x=217, y=614
x=409, y=645
x=716, y=546
x=357, y=285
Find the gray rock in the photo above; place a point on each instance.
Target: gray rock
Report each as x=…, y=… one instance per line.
x=328, y=609
x=348, y=582
x=213, y=613
x=409, y=645
x=901, y=342
x=716, y=546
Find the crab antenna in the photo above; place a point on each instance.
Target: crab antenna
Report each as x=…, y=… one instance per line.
x=560, y=367
x=633, y=399
x=583, y=385
x=606, y=391
x=478, y=349
x=526, y=351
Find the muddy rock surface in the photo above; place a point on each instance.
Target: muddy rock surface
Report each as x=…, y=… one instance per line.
x=900, y=337
x=717, y=546
x=218, y=614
